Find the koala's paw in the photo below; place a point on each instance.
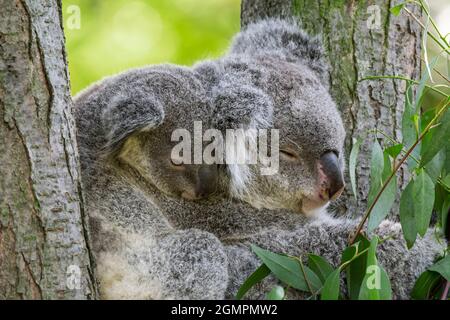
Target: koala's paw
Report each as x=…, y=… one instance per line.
x=402, y=264
x=191, y=264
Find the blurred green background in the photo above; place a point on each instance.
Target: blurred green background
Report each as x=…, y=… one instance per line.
x=115, y=35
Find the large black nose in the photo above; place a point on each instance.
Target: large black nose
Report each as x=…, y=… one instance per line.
x=334, y=179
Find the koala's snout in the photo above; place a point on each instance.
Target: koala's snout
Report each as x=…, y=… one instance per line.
x=331, y=179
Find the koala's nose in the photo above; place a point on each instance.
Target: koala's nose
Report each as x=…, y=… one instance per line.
x=331, y=177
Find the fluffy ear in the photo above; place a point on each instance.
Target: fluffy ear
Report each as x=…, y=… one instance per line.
x=237, y=105
x=127, y=115
x=283, y=38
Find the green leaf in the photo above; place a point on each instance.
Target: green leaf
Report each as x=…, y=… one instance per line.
x=423, y=195
x=288, y=270
x=386, y=199
x=376, y=170
x=444, y=212
x=442, y=267
x=352, y=164
x=376, y=284
x=253, y=279
x=424, y=77
x=395, y=10
x=356, y=270
x=277, y=293
x=446, y=180
x=384, y=292
x=330, y=290
x=434, y=167
x=394, y=150
x=408, y=131
x=424, y=285
x=407, y=219
x=446, y=168
x=441, y=137
x=425, y=119
x=320, y=266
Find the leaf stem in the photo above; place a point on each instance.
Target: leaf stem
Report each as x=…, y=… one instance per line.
x=404, y=150
x=405, y=79
x=304, y=275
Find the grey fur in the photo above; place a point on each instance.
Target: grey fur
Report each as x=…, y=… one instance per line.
x=149, y=239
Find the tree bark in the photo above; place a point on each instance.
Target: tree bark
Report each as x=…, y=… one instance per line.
x=43, y=237
x=361, y=38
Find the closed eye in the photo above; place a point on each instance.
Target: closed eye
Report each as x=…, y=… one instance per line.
x=288, y=154
x=177, y=164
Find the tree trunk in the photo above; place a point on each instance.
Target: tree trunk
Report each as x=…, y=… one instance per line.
x=43, y=247
x=361, y=38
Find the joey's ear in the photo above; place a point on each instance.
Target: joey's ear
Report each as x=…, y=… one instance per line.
x=125, y=116
x=238, y=105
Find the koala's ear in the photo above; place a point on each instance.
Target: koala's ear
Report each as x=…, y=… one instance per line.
x=127, y=115
x=282, y=37
x=237, y=105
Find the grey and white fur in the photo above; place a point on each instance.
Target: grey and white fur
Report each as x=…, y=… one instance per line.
x=164, y=231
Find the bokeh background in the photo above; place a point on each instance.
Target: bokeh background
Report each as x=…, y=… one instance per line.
x=115, y=35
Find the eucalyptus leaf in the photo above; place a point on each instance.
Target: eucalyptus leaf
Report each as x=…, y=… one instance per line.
x=386, y=200
x=257, y=276
x=394, y=150
x=442, y=267
x=423, y=195
x=376, y=170
x=424, y=78
x=434, y=167
x=376, y=284
x=395, y=10
x=352, y=164
x=356, y=270
x=444, y=212
x=408, y=131
x=320, y=266
x=288, y=270
x=424, y=285
x=384, y=292
x=441, y=138
x=330, y=290
x=407, y=219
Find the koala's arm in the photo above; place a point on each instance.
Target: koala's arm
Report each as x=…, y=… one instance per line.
x=140, y=255
x=328, y=238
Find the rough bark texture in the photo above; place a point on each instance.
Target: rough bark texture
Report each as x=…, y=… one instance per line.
x=356, y=47
x=42, y=229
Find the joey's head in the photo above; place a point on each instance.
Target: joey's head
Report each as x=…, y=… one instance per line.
x=139, y=127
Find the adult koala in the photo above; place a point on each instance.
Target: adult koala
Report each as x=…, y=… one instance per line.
x=150, y=240
x=278, y=65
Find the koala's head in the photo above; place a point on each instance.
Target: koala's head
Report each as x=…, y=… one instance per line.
x=311, y=134
x=145, y=108
x=311, y=155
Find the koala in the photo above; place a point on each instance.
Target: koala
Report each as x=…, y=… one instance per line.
x=287, y=68
x=168, y=230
